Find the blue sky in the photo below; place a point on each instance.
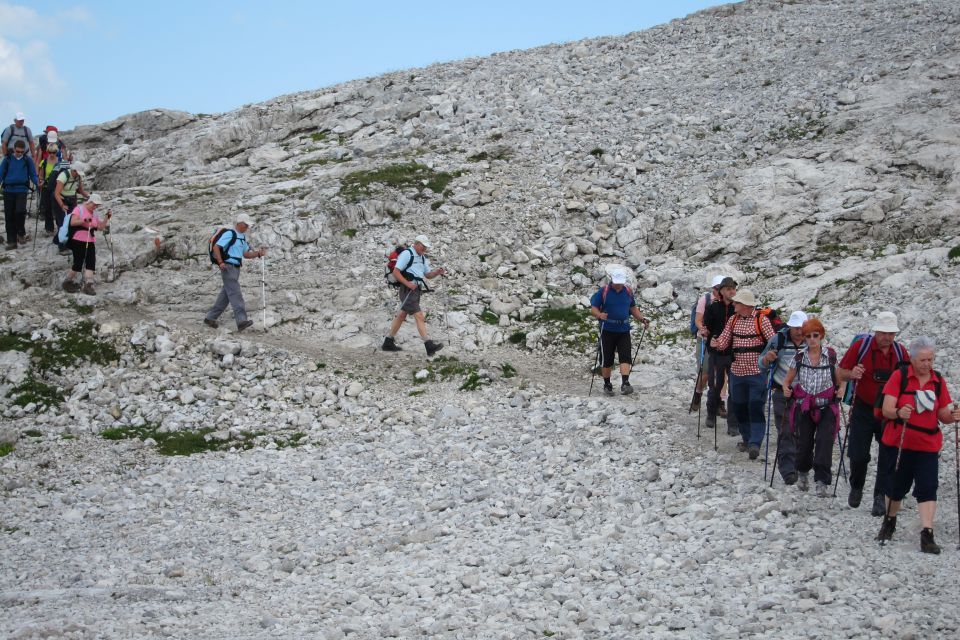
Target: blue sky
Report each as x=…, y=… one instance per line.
x=69, y=64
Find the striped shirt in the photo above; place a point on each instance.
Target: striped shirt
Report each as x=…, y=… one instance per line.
x=747, y=343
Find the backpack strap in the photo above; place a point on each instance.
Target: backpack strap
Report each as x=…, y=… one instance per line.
x=864, y=347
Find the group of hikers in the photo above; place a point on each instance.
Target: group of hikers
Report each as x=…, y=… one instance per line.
x=789, y=376
x=42, y=169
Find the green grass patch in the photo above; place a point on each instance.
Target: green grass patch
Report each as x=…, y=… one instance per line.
x=33, y=433
x=436, y=205
x=319, y=136
x=473, y=382
x=579, y=270
x=358, y=184
x=6, y=449
x=518, y=337
x=418, y=392
x=490, y=317
x=597, y=152
x=568, y=316
x=187, y=442
x=37, y=392
x=507, y=370
x=350, y=233
x=954, y=254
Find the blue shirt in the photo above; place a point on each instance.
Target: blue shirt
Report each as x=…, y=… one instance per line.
x=617, y=307
x=16, y=174
x=420, y=266
x=235, y=254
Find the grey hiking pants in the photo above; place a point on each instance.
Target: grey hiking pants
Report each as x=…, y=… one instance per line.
x=229, y=294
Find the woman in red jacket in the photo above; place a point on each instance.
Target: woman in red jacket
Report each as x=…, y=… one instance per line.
x=915, y=408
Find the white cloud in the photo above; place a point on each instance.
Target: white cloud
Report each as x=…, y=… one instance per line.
x=16, y=20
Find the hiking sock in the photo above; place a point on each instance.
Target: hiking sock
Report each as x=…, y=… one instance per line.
x=624, y=379
x=607, y=383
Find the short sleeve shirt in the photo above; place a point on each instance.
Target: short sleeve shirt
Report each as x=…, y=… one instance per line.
x=877, y=368
x=237, y=249
x=616, y=305
x=414, y=263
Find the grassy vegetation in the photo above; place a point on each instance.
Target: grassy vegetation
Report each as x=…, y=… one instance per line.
x=954, y=253
x=319, y=136
x=68, y=347
x=518, y=337
x=358, y=184
x=187, y=442
x=33, y=433
x=490, y=317
x=5, y=449
x=507, y=370
x=597, y=152
x=350, y=233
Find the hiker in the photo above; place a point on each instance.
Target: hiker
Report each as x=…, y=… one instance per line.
x=613, y=305
x=48, y=170
x=17, y=171
x=49, y=144
x=814, y=417
x=82, y=243
x=915, y=398
x=870, y=372
x=69, y=183
x=718, y=361
x=17, y=132
x=774, y=364
x=702, y=356
x=228, y=252
x=746, y=333
x=411, y=269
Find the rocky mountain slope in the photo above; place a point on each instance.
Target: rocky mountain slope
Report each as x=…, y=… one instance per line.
x=810, y=149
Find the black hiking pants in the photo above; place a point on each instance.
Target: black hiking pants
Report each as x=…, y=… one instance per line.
x=864, y=429
x=716, y=376
x=15, y=215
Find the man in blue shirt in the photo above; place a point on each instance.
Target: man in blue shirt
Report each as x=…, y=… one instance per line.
x=613, y=305
x=17, y=171
x=229, y=251
x=410, y=270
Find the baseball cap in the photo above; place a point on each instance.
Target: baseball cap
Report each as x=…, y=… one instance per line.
x=716, y=281
x=423, y=240
x=728, y=282
x=19, y=116
x=95, y=198
x=244, y=219
x=619, y=276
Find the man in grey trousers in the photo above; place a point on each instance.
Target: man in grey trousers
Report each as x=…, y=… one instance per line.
x=229, y=251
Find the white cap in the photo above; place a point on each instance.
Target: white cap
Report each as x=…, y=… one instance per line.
x=95, y=198
x=886, y=322
x=19, y=116
x=716, y=281
x=52, y=137
x=244, y=219
x=797, y=318
x=618, y=276
x=424, y=240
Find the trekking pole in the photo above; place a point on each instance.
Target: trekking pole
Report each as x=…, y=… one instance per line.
x=846, y=434
x=766, y=448
x=36, y=223
x=776, y=453
x=636, y=351
x=596, y=360
x=956, y=445
x=113, y=264
x=263, y=288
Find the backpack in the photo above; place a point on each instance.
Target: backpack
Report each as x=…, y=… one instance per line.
x=878, y=403
x=693, y=313
x=392, y=264
x=831, y=358
x=42, y=145
x=224, y=251
x=867, y=339
x=603, y=294
x=775, y=321
x=66, y=231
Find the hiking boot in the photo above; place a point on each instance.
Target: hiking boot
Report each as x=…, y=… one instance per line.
x=732, y=430
x=711, y=422
x=823, y=490
x=722, y=409
x=608, y=388
x=88, y=289
x=856, y=495
x=11, y=246
x=213, y=324
x=803, y=481
x=626, y=389
x=927, y=545
x=389, y=344
x=888, y=526
x=741, y=446
x=70, y=286
x=246, y=324
x=790, y=479
x=695, y=403
x=24, y=239
x=432, y=347
x=754, y=451
x=879, y=506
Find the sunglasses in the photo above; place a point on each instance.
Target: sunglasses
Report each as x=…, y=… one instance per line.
x=811, y=335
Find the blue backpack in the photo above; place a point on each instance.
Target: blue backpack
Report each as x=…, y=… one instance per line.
x=66, y=231
x=693, y=314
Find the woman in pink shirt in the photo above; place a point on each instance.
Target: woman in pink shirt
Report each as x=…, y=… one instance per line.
x=83, y=223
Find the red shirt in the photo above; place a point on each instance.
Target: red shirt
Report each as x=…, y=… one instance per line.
x=873, y=360
x=914, y=440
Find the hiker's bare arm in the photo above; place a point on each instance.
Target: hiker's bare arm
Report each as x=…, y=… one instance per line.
x=843, y=375
x=436, y=272
x=259, y=253
x=58, y=194
x=596, y=313
x=635, y=312
x=402, y=280
x=788, y=381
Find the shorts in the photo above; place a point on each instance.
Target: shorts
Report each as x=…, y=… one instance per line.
x=919, y=468
x=611, y=341
x=409, y=299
